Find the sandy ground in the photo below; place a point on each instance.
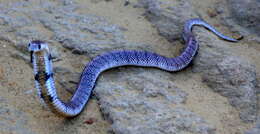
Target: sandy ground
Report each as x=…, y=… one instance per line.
x=16, y=78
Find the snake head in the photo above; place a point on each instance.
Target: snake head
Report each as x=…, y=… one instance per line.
x=36, y=46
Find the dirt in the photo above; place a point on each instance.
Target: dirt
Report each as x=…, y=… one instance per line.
x=17, y=82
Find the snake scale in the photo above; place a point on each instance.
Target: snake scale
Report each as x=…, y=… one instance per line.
x=43, y=72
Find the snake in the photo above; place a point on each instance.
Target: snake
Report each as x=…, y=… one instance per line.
x=44, y=77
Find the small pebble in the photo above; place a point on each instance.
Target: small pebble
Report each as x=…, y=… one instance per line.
x=211, y=13
x=90, y=121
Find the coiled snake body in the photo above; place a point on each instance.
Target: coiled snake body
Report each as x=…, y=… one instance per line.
x=41, y=59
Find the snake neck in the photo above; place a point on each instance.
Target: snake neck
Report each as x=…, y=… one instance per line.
x=41, y=73
x=44, y=82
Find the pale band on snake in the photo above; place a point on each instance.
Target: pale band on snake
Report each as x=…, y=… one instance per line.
x=43, y=71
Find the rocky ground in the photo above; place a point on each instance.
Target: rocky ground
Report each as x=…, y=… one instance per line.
x=217, y=94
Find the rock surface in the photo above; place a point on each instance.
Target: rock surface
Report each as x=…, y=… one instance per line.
x=255, y=130
x=217, y=72
x=246, y=13
x=235, y=79
x=127, y=100
x=149, y=102
x=168, y=16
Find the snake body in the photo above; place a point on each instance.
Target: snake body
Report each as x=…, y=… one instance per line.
x=44, y=81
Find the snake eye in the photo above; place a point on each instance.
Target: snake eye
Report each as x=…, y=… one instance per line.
x=29, y=44
x=39, y=46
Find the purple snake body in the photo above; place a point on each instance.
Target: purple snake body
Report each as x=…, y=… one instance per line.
x=44, y=74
